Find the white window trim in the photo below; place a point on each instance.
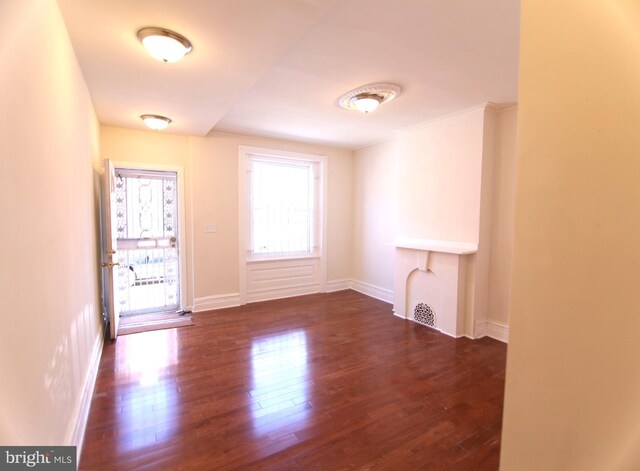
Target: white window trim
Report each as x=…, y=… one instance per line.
x=245, y=153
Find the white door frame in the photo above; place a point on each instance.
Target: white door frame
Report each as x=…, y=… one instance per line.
x=108, y=244
x=182, y=238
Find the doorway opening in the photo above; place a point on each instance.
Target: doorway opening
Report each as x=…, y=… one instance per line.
x=148, y=241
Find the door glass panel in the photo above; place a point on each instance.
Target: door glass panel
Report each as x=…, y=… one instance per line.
x=146, y=212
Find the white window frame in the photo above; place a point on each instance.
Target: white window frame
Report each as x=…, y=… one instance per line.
x=245, y=156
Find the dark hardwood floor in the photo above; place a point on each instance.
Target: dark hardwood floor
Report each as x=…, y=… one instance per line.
x=327, y=382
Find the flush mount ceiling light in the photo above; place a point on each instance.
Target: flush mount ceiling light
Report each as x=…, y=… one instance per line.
x=164, y=45
x=369, y=97
x=155, y=122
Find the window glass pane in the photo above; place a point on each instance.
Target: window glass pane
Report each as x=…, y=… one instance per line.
x=282, y=207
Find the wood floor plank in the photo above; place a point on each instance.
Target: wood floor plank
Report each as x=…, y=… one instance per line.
x=327, y=381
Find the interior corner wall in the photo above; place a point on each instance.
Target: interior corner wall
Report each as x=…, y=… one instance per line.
x=572, y=382
x=375, y=196
x=49, y=276
x=479, y=268
x=504, y=181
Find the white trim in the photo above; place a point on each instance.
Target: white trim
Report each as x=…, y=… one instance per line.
x=258, y=259
x=479, y=330
x=445, y=246
x=411, y=319
x=498, y=331
x=218, y=301
x=495, y=330
x=182, y=216
x=78, y=424
x=443, y=119
x=337, y=285
x=382, y=294
x=242, y=222
x=324, y=188
x=373, y=291
x=280, y=293
x=496, y=108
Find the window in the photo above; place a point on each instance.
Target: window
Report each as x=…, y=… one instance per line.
x=283, y=206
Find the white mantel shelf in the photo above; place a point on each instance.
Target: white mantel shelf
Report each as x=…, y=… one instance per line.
x=430, y=245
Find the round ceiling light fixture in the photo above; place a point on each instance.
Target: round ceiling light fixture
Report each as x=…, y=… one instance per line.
x=163, y=44
x=369, y=97
x=155, y=122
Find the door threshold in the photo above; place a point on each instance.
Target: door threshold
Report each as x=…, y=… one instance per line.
x=148, y=317
x=160, y=324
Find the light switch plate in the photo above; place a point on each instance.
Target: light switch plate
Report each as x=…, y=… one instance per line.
x=209, y=228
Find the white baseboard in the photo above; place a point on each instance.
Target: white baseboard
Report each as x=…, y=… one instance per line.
x=337, y=285
x=280, y=293
x=498, y=331
x=78, y=424
x=382, y=294
x=479, y=330
x=218, y=301
x=221, y=301
x=208, y=303
x=495, y=330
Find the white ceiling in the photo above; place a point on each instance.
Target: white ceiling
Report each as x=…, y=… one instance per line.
x=277, y=67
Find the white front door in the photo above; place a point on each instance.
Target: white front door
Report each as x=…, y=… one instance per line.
x=110, y=269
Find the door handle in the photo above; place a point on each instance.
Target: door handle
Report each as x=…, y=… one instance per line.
x=110, y=264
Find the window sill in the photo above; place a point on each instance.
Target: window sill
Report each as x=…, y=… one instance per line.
x=278, y=258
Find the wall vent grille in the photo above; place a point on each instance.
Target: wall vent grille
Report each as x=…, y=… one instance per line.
x=424, y=314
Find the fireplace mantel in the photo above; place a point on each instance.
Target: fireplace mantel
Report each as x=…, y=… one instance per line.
x=431, y=245
x=434, y=273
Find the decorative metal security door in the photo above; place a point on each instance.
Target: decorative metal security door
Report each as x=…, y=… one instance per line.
x=148, y=241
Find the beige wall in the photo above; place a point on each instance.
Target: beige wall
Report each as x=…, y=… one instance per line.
x=215, y=180
x=573, y=382
x=439, y=170
x=504, y=182
x=375, y=214
x=49, y=204
x=211, y=181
